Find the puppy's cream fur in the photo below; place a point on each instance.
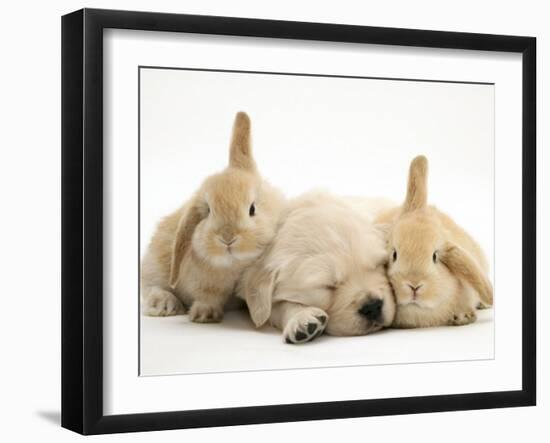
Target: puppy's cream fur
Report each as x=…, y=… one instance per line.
x=198, y=253
x=324, y=264
x=437, y=270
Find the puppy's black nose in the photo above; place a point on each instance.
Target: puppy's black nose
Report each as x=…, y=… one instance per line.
x=372, y=309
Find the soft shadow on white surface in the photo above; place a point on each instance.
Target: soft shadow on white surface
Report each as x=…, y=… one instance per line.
x=174, y=345
x=53, y=417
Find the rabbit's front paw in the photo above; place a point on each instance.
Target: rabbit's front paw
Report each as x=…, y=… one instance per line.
x=463, y=318
x=161, y=303
x=201, y=312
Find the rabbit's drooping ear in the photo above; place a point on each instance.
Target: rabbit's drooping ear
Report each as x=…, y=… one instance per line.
x=417, y=187
x=463, y=266
x=240, y=152
x=182, y=241
x=259, y=293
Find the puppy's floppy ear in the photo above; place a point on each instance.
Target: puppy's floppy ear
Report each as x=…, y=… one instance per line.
x=383, y=231
x=417, y=187
x=463, y=266
x=240, y=151
x=258, y=293
x=191, y=217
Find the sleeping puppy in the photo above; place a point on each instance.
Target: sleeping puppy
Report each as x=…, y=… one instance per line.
x=323, y=272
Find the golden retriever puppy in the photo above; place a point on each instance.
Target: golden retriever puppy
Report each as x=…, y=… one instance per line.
x=323, y=272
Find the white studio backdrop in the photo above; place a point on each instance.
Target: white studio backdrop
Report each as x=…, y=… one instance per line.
x=124, y=51
x=351, y=136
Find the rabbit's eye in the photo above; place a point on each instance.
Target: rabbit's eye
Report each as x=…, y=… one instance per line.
x=207, y=210
x=394, y=255
x=252, y=210
x=434, y=257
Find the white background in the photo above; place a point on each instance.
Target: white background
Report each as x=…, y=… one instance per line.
x=30, y=183
x=347, y=135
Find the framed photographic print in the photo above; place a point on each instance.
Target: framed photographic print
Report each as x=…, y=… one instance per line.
x=268, y=221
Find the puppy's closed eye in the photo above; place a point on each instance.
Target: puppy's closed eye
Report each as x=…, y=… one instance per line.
x=332, y=286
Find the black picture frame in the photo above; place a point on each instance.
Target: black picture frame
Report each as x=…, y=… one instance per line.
x=82, y=220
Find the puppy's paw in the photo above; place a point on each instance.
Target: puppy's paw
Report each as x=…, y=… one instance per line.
x=161, y=303
x=304, y=326
x=201, y=312
x=463, y=318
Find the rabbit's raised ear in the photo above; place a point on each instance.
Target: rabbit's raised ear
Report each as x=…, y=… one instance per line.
x=189, y=220
x=240, y=151
x=259, y=293
x=417, y=187
x=463, y=266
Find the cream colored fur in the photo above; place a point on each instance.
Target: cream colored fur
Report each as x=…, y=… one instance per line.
x=199, y=252
x=325, y=263
x=438, y=272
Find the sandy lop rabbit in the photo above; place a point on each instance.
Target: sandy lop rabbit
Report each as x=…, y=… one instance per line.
x=324, y=271
x=437, y=270
x=198, y=253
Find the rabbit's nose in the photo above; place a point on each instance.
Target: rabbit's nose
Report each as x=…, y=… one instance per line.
x=228, y=241
x=413, y=287
x=372, y=309
x=227, y=235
